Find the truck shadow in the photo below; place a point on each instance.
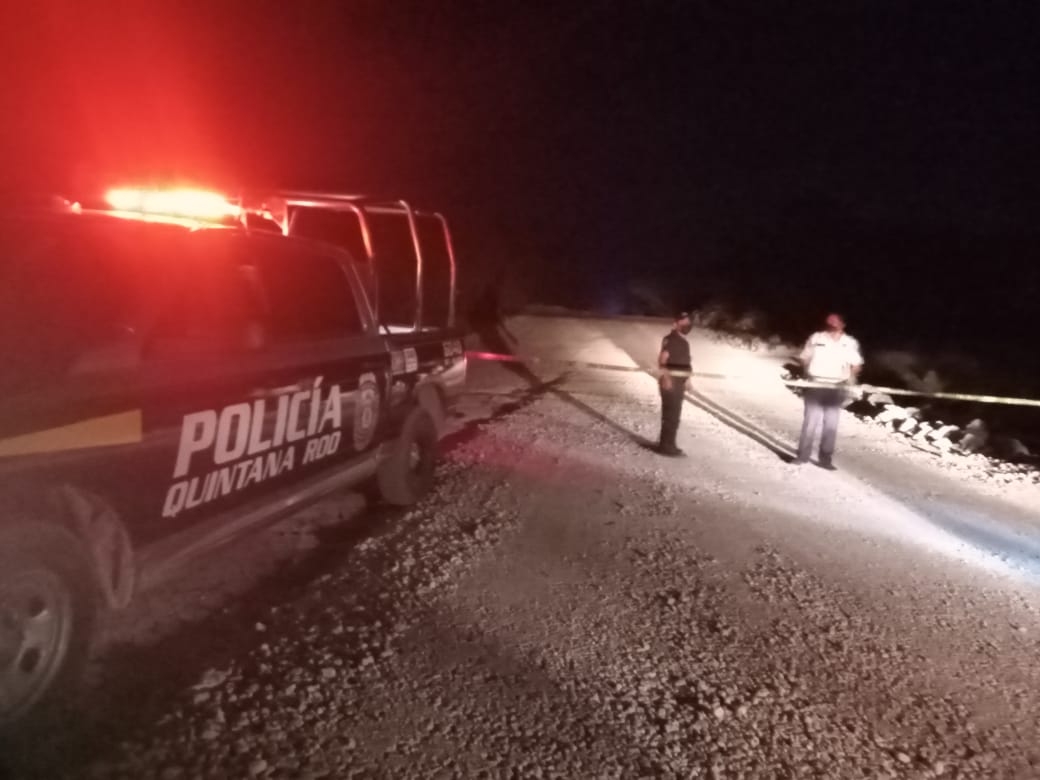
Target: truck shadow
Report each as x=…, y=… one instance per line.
x=518, y=400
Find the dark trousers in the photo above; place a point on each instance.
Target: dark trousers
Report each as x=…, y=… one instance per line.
x=822, y=410
x=671, y=411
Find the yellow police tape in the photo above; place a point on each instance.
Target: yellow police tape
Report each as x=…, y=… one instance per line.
x=857, y=388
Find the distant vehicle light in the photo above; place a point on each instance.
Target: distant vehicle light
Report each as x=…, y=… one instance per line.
x=193, y=204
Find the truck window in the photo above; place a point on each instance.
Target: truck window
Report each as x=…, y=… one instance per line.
x=211, y=306
x=308, y=295
x=395, y=267
x=70, y=300
x=339, y=228
x=436, y=281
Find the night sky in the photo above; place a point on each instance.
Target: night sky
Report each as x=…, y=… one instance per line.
x=801, y=153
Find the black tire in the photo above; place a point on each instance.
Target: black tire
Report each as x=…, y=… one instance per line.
x=408, y=473
x=47, y=609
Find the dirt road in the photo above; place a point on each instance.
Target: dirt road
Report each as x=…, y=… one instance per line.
x=569, y=604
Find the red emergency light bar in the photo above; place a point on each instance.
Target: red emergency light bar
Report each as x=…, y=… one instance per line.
x=184, y=203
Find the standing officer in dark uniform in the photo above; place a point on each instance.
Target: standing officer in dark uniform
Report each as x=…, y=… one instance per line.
x=675, y=356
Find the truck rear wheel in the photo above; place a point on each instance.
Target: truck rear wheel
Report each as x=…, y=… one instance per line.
x=47, y=609
x=407, y=475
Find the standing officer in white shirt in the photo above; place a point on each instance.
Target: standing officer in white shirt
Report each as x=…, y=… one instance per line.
x=830, y=357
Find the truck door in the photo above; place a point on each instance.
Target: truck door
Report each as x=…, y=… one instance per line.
x=204, y=373
x=331, y=364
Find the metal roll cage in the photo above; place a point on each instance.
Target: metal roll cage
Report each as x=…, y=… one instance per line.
x=282, y=207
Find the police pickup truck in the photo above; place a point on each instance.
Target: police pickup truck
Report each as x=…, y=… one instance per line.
x=177, y=369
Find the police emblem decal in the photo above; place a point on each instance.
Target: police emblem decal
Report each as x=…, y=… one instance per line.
x=411, y=360
x=366, y=411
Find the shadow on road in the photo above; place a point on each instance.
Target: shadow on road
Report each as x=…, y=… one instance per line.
x=727, y=416
x=742, y=425
x=982, y=531
x=519, y=400
x=491, y=336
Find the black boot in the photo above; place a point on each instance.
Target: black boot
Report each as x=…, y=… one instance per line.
x=670, y=449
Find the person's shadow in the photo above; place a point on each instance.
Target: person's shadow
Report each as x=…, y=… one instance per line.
x=727, y=417
x=495, y=337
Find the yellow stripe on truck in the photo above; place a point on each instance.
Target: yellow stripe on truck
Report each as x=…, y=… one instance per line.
x=122, y=428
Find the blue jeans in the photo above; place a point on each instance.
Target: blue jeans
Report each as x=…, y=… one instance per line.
x=822, y=409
